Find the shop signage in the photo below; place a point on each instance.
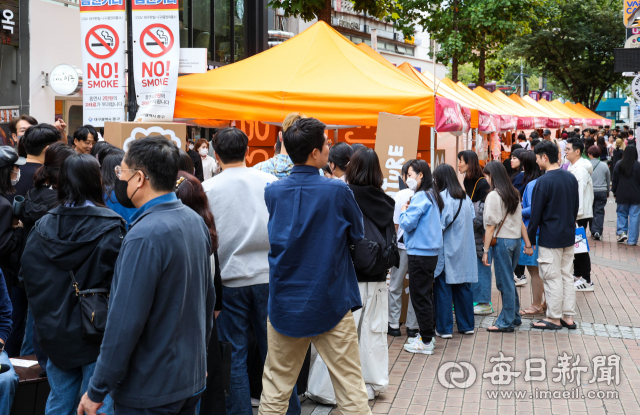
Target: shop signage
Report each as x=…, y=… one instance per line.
x=103, y=31
x=635, y=87
x=8, y=113
x=9, y=22
x=396, y=142
x=156, y=58
x=632, y=42
x=65, y=80
x=193, y=60
x=630, y=7
x=349, y=25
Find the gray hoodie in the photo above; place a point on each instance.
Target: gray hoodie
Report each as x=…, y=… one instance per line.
x=601, y=176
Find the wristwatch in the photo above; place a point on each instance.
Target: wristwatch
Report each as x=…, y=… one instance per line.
x=485, y=250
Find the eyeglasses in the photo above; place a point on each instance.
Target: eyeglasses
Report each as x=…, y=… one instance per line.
x=119, y=171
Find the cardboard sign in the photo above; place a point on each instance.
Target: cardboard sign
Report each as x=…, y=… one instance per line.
x=123, y=134
x=156, y=58
x=396, y=142
x=103, y=31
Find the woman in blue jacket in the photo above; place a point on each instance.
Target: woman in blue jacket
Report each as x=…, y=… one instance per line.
x=456, y=269
x=420, y=219
x=531, y=174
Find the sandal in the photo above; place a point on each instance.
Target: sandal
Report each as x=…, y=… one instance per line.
x=569, y=326
x=547, y=325
x=501, y=329
x=532, y=311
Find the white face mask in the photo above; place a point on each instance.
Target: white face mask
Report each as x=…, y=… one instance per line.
x=17, y=179
x=190, y=146
x=412, y=183
x=204, y=151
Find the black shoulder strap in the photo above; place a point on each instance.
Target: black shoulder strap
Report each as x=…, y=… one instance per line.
x=455, y=217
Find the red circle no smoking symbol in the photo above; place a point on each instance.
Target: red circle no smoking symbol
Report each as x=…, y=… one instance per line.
x=102, y=41
x=156, y=40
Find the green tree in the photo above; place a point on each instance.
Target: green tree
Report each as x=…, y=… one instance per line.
x=321, y=9
x=574, y=48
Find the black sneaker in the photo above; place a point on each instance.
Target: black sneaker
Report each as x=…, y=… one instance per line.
x=597, y=236
x=394, y=332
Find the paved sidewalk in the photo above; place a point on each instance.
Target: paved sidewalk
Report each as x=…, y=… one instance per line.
x=609, y=326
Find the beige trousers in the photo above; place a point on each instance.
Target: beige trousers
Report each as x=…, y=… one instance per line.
x=339, y=350
x=556, y=266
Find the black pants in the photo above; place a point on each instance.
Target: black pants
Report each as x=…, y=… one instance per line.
x=421, y=270
x=596, y=224
x=582, y=262
x=184, y=407
x=213, y=398
x=519, y=271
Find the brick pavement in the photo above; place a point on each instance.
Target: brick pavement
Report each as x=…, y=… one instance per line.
x=610, y=319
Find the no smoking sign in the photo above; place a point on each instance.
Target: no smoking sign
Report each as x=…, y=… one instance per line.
x=156, y=40
x=102, y=41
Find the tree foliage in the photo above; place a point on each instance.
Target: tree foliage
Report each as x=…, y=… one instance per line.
x=574, y=48
x=311, y=9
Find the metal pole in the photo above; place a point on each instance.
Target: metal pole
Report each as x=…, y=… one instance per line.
x=521, y=79
x=432, y=152
x=132, y=103
x=433, y=130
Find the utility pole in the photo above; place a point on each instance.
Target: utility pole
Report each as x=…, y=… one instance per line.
x=132, y=103
x=521, y=79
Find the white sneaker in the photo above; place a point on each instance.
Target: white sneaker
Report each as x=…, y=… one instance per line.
x=622, y=237
x=582, y=285
x=412, y=340
x=419, y=347
x=520, y=281
x=370, y=393
x=469, y=332
x=444, y=336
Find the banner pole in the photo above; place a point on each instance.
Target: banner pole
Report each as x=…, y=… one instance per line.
x=132, y=103
x=432, y=151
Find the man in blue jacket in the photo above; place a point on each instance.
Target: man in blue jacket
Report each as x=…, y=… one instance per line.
x=8, y=379
x=312, y=283
x=153, y=356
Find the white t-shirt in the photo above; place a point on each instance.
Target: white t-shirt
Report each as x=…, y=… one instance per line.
x=526, y=145
x=401, y=198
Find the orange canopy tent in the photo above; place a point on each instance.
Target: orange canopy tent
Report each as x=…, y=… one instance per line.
x=553, y=119
x=560, y=110
x=599, y=119
x=318, y=72
x=474, y=100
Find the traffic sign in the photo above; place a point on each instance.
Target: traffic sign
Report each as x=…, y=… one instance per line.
x=156, y=40
x=102, y=38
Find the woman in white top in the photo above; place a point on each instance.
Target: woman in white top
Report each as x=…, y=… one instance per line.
x=503, y=220
x=209, y=165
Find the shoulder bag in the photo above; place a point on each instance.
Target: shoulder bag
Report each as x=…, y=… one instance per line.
x=454, y=218
x=94, y=306
x=494, y=240
x=474, y=188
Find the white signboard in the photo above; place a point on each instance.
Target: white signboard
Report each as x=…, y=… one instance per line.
x=156, y=56
x=193, y=60
x=635, y=87
x=103, y=31
x=65, y=80
x=632, y=42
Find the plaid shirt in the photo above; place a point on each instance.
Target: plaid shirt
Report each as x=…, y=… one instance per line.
x=280, y=166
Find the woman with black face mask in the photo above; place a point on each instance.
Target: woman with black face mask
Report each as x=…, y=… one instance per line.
x=71, y=253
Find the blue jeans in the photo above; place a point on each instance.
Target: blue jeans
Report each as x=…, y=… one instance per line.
x=244, y=309
x=482, y=288
x=8, y=385
x=27, y=344
x=461, y=296
x=19, y=321
x=67, y=387
x=628, y=222
x=505, y=256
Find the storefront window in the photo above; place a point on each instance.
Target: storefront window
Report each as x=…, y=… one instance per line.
x=222, y=32
x=183, y=15
x=202, y=25
x=241, y=27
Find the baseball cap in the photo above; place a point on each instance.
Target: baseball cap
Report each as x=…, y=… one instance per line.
x=546, y=132
x=10, y=157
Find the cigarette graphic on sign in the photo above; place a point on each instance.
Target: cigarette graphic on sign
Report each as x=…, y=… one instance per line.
x=107, y=37
x=164, y=39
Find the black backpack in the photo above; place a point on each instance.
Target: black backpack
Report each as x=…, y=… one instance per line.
x=376, y=253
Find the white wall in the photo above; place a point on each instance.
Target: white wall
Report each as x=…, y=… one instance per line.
x=55, y=39
x=424, y=64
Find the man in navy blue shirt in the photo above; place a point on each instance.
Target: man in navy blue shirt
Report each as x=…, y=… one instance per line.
x=554, y=209
x=312, y=283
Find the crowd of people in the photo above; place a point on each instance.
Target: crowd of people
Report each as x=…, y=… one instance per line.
x=131, y=275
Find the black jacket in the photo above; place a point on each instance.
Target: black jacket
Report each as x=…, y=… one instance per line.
x=626, y=189
x=87, y=241
x=197, y=164
x=10, y=244
x=378, y=208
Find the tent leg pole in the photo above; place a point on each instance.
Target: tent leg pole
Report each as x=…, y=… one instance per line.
x=432, y=151
x=335, y=136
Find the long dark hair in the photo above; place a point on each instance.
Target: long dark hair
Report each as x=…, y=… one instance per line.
x=501, y=183
x=629, y=158
x=80, y=181
x=518, y=153
x=109, y=177
x=470, y=158
x=185, y=163
x=48, y=173
x=531, y=169
x=601, y=144
x=191, y=193
x=446, y=179
x=340, y=155
x=427, y=184
x=364, y=169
